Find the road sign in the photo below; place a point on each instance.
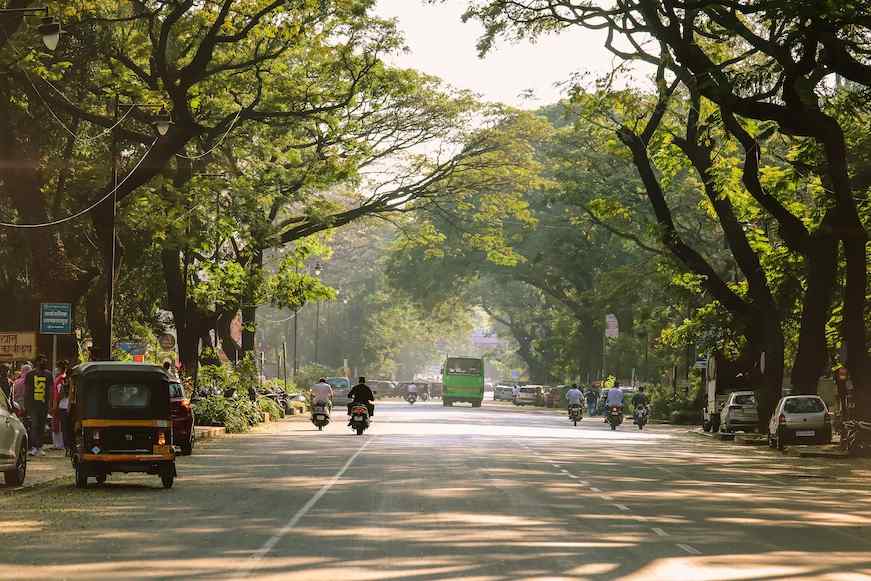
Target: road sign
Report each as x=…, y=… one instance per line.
x=55, y=318
x=612, y=327
x=16, y=346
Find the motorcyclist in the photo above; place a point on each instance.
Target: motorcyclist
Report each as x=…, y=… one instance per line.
x=411, y=389
x=592, y=401
x=322, y=392
x=613, y=399
x=362, y=394
x=574, y=396
x=639, y=400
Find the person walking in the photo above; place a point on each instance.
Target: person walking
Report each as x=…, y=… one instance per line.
x=592, y=400
x=57, y=434
x=5, y=381
x=18, y=386
x=37, y=399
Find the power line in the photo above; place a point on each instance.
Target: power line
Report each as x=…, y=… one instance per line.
x=89, y=208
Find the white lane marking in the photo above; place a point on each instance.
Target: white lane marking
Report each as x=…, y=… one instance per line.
x=659, y=532
x=572, y=476
x=594, y=489
x=254, y=560
x=563, y=470
x=622, y=507
x=689, y=549
x=607, y=498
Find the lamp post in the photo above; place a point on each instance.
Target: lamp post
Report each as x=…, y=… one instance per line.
x=318, y=271
x=50, y=28
x=162, y=123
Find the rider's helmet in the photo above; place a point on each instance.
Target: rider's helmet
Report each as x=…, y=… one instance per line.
x=361, y=379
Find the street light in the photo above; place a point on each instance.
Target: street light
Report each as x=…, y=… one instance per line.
x=161, y=124
x=318, y=271
x=50, y=29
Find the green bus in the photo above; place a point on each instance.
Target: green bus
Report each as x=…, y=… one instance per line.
x=463, y=381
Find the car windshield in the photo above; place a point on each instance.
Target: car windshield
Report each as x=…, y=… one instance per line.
x=463, y=366
x=339, y=382
x=803, y=405
x=745, y=399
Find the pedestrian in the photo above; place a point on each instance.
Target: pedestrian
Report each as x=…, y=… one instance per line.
x=37, y=399
x=65, y=421
x=514, y=391
x=18, y=386
x=57, y=435
x=592, y=399
x=5, y=381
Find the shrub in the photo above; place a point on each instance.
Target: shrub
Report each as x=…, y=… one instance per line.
x=237, y=414
x=269, y=406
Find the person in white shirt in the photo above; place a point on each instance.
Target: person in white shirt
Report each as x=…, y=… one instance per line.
x=322, y=391
x=574, y=395
x=614, y=398
x=514, y=391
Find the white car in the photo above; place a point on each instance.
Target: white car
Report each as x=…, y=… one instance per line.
x=800, y=419
x=13, y=445
x=341, y=387
x=529, y=395
x=739, y=412
x=503, y=393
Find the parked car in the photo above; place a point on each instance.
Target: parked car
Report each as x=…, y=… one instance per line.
x=435, y=390
x=182, y=419
x=503, y=393
x=13, y=445
x=341, y=387
x=382, y=388
x=529, y=395
x=739, y=412
x=800, y=419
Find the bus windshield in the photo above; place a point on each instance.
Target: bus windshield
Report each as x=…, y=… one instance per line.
x=464, y=366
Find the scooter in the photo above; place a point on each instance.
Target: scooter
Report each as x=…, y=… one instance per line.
x=411, y=398
x=576, y=413
x=359, y=418
x=320, y=415
x=615, y=416
x=641, y=414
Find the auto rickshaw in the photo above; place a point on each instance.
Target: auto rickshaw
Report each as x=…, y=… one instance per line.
x=120, y=414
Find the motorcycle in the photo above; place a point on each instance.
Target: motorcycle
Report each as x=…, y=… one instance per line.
x=359, y=418
x=856, y=438
x=576, y=413
x=615, y=416
x=320, y=415
x=641, y=414
x=411, y=398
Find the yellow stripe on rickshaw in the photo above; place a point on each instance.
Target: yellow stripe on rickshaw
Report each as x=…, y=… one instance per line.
x=125, y=423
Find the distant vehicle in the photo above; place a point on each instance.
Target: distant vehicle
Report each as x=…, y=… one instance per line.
x=382, y=388
x=13, y=444
x=182, y=419
x=320, y=415
x=503, y=393
x=422, y=388
x=435, y=390
x=341, y=387
x=739, y=412
x=718, y=390
x=529, y=395
x=576, y=413
x=800, y=419
x=463, y=381
x=615, y=416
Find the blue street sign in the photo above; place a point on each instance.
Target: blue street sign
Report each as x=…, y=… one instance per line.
x=55, y=318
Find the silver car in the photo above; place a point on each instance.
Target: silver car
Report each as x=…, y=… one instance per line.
x=341, y=387
x=800, y=419
x=739, y=412
x=13, y=445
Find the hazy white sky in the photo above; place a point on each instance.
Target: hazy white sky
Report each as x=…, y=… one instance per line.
x=440, y=44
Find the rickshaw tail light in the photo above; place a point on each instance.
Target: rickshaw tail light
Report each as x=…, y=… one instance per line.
x=161, y=438
x=186, y=403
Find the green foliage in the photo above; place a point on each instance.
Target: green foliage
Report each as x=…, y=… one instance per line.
x=237, y=414
x=268, y=405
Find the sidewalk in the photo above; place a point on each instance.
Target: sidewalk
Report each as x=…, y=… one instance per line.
x=55, y=466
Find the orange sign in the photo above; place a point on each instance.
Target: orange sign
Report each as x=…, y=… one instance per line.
x=17, y=346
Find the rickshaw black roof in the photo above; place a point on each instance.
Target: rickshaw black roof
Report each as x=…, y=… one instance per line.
x=118, y=367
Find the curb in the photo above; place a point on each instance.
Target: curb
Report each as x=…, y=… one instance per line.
x=802, y=452
x=209, y=432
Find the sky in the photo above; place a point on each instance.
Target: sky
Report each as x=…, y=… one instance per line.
x=441, y=44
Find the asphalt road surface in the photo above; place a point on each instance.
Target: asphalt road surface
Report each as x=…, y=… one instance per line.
x=486, y=494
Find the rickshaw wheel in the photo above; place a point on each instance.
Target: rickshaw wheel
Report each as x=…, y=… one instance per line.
x=101, y=479
x=81, y=476
x=167, y=480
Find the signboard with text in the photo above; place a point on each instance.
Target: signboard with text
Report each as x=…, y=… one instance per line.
x=612, y=327
x=55, y=318
x=17, y=346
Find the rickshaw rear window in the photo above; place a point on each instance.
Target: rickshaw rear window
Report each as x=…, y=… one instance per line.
x=129, y=395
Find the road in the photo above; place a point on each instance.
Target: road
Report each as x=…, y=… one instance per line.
x=486, y=494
